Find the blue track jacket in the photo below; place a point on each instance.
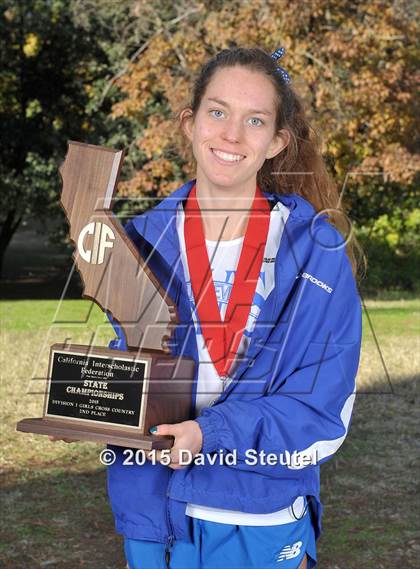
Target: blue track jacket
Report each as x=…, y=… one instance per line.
x=293, y=391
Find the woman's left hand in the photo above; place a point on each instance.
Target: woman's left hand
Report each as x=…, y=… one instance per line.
x=188, y=437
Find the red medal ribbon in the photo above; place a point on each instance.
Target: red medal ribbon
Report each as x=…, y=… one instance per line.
x=222, y=337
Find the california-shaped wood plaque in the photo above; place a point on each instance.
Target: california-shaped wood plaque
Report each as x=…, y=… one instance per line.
x=100, y=394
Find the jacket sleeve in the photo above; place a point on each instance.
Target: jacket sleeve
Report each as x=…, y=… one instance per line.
x=306, y=415
x=118, y=343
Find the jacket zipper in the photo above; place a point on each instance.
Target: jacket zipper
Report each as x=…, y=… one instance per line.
x=171, y=537
x=168, y=551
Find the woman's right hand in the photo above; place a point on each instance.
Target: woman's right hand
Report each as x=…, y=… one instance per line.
x=66, y=440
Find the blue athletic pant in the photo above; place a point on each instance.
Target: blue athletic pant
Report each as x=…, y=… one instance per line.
x=213, y=545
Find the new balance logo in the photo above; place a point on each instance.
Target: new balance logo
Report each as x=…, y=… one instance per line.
x=315, y=281
x=289, y=552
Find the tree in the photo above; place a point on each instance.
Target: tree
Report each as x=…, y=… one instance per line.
x=353, y=63
x=50, y=67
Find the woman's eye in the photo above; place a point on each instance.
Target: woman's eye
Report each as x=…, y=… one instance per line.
x=216, y=111
x=257, y=119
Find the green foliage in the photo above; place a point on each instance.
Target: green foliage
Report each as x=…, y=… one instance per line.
x=53, y=72
x=392, y=246
x=376, y=197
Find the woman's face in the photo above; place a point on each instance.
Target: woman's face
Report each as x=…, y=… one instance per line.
x=232, y=133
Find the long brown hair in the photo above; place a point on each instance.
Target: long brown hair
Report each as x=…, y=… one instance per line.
x=299, y=168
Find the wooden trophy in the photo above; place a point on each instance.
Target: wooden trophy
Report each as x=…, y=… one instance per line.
x=101, y=394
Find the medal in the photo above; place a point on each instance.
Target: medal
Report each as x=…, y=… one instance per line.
x=222, y=337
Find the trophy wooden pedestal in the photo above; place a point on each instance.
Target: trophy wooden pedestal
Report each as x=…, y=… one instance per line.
x=113, y=396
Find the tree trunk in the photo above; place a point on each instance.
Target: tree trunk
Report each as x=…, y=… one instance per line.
x=11, y=223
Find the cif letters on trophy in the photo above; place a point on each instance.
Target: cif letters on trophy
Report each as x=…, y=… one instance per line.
x=101, y=394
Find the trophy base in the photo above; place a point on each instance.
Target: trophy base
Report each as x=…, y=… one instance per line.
x=97, y=434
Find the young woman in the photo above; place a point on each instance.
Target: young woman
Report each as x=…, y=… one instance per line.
x=268, y=307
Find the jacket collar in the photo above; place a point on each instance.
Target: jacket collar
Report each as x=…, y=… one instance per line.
x=161, y=221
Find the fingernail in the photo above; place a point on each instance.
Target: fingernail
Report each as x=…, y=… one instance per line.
x=153, y=430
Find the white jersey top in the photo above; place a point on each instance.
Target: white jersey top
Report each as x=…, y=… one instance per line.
x=224, y=258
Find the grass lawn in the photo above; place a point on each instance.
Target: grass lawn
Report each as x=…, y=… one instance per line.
x=55, y=511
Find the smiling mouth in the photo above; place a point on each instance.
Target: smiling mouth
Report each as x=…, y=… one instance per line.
x=227, y=157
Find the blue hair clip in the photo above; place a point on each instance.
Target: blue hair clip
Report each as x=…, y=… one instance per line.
x=278, y=54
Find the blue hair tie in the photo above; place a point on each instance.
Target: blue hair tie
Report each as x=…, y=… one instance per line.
x=278, y=54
